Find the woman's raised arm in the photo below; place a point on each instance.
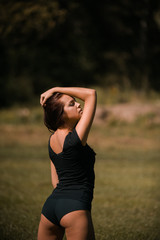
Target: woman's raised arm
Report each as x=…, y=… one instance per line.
x=90, y=99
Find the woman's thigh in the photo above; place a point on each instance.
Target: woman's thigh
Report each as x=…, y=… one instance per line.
x=49, y=231
x=78, y=225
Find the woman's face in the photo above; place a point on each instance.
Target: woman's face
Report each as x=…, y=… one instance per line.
x=72, y=109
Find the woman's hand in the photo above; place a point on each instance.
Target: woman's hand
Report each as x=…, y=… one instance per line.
x=89, y=97
x=44, y=96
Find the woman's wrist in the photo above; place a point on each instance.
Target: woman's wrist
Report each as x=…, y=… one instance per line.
x=53, y=90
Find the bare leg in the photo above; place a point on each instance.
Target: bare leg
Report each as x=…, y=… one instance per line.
x=49, y=231
x=78, y=225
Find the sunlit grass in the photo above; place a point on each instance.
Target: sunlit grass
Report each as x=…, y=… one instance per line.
x=126, y=196
x=114, y=94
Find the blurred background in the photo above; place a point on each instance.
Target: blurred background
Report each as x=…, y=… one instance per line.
x=114, y=47
x=77, y=43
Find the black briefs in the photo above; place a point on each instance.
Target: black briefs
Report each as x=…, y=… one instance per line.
x=54, y=208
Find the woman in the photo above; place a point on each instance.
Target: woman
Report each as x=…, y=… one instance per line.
x=68, y=208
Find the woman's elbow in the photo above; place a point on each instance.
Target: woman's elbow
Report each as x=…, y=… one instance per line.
x=54, y=183
x=93, y=93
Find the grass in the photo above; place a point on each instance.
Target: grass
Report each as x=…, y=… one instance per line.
x=127, y=198
x=115, y=94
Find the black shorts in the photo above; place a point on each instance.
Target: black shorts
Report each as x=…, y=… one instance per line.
x=55, y=208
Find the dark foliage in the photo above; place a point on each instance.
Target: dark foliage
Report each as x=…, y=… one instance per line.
x=74, y=43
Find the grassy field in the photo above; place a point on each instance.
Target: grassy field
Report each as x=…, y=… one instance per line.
x=126, y=204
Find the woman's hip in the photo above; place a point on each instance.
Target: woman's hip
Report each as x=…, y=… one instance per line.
x=55, y=208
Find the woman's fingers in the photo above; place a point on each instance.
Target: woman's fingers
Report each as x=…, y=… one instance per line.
x=45, y=96
x=42, y=99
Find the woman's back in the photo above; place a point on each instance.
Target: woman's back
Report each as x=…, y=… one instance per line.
x=74, y=164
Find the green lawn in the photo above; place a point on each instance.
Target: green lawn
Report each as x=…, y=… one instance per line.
x=126, y=204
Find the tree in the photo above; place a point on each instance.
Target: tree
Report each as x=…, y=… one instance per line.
x=78, y=43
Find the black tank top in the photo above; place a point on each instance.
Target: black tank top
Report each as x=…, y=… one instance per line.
x=75, y=169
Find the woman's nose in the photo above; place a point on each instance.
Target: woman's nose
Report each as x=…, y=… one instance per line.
x=78, y=105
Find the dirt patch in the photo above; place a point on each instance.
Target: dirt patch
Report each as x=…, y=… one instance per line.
x=127, y=112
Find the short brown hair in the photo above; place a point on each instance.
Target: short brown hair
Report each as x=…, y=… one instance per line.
x=53, y=111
